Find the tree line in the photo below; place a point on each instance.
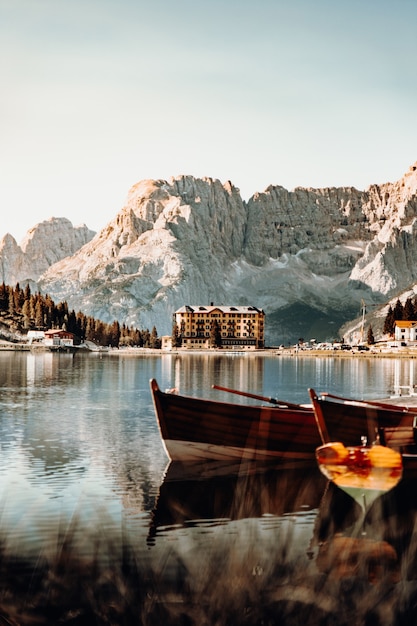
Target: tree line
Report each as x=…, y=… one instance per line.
x=406, y=311
x=34, y=311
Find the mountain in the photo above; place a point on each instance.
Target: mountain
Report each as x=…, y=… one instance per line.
x=308, y=257
x=45, y=244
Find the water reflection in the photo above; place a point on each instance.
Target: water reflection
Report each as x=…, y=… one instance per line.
x=224, y=545
x=287, y=378
x=223, y=491
x=294, y=548
x=94, y=528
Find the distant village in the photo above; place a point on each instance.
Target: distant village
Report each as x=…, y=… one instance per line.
x=243, y=328
x=33, y=321
x=230, y=328
x=246, y=336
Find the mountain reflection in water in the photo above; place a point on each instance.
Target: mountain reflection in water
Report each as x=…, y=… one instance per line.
x=225, y=544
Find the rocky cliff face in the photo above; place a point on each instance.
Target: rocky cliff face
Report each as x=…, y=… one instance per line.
x=45, y=244
x=172, y=243
x=308, y=257
x=389, y=261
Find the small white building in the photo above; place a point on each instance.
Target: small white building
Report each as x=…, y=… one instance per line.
x=405, y=330
x=166, y=342
x=35, y=336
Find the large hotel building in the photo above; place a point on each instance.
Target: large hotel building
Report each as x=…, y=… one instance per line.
x=230, y=327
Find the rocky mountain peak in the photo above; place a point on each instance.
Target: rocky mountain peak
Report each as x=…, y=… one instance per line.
x=409, y=180
x=307, y=257
x=45, y=244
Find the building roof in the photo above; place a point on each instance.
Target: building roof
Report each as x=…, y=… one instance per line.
x=58, y=331
x=224, y=309
x=406, y=323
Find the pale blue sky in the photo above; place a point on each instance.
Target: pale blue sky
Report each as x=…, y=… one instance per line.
x=99, y=94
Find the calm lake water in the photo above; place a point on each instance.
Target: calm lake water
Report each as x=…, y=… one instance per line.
x=97, y=528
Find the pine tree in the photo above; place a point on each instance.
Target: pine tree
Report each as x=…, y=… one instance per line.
x=48, y=307
x=215, y=335
x=27, y=293
x=154, y=340
x=39, y=314
x=26, y=314
x=137, y=338
x=11, y=302
x=100, y=334
x=408, y=311
x=389, y=323
x=19, y=298
x=176, y=338
x=4, y=297
x=146, y=338
x=371, y=339
x=81, y=325
x=114, y=334
x=398, y=310
x=89, y=329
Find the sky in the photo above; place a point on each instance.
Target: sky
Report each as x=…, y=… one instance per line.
x=97, y=95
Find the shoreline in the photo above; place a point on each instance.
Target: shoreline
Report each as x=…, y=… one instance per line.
x=402, y=353
x=272, y=353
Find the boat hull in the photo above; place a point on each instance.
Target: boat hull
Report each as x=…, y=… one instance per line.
x=198, y=451
x=393, y=426
x=194, y=429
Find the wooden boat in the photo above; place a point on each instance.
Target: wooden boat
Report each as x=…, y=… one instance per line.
x=363, y=421
x=194, y=429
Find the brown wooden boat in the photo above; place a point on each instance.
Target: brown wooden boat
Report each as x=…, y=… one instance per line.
x=363, y=421
x=194, y=429
x=389, y=444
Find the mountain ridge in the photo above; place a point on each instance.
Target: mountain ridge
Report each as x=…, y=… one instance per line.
x=190, y=239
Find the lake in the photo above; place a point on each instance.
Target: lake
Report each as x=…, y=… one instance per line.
x=96, y=527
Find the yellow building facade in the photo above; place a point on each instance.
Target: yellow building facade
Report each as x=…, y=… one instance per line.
x=229, y=327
